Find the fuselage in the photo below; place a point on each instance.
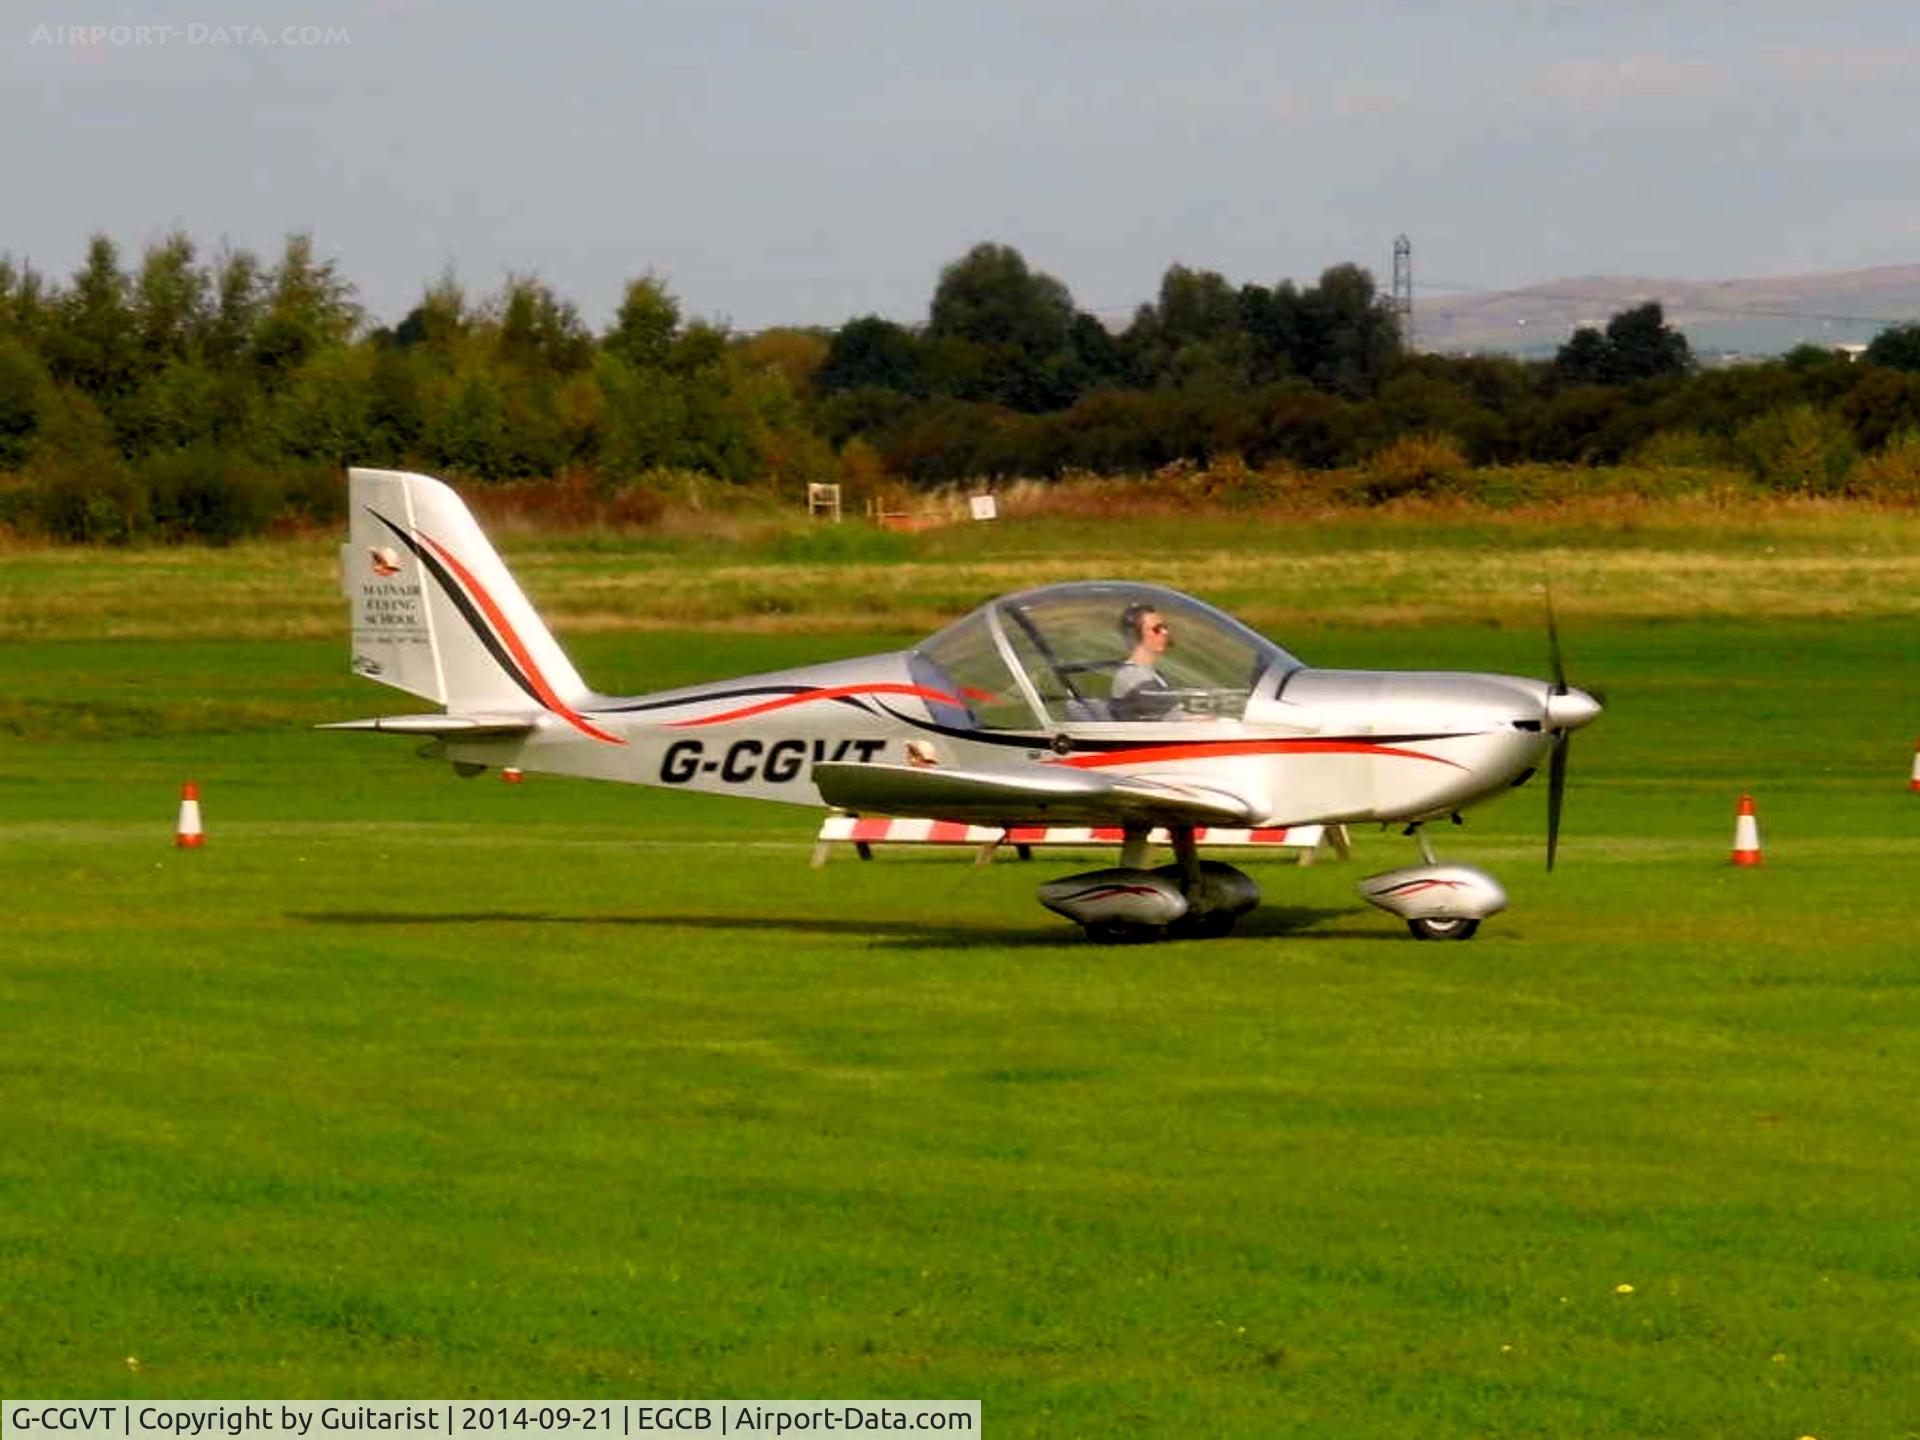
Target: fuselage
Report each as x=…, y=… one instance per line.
x=1309, y=745
x=1115, y=704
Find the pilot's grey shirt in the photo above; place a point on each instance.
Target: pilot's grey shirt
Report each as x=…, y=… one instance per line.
x=1138, y=693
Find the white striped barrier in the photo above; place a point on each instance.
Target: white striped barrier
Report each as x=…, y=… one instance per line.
x=863, y=832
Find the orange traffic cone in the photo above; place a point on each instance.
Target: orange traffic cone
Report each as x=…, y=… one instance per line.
x=510, y=775
x=1914, y=784
x=187, y=834
x=1746, y=834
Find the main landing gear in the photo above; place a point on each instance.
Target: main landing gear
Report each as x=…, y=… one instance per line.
x=1128, y=903
x=1194, y=898
x=1438, y=902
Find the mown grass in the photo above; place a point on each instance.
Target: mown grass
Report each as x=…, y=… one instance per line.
x=410, y=1086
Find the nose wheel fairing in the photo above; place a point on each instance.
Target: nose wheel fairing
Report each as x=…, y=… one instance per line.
x=1438, y=901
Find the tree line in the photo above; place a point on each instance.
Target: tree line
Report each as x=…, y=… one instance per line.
x=207, y=396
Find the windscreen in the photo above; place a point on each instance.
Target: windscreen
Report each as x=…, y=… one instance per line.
x=965, y=661
x=1105, y=651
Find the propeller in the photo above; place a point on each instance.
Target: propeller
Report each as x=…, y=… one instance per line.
x=1556, y=794
x=1567, y=710
x=1557, y=768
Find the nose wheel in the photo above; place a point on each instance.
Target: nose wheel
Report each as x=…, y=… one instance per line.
x=1456, y=928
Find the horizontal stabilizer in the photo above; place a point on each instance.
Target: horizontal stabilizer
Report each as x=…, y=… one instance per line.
x=1035, y=795
x=465, y=727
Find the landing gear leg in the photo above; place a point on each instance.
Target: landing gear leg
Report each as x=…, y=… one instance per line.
x=1186, y=855
x=1217, y=895
x=1419, y=833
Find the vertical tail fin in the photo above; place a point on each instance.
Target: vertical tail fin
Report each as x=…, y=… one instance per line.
x=435, y=612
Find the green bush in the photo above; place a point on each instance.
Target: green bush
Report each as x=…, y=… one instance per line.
x=1893, y=473
x=1798, y=449
x=312, y=493
x=207, y=494
x=1229, y=481
x=88, y=503
x=1429, y=464
x=1679, y=450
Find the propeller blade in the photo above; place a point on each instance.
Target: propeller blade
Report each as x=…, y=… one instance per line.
x=1553, y=649
x=1556, y=794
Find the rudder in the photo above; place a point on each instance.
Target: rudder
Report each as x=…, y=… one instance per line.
x=435, y=611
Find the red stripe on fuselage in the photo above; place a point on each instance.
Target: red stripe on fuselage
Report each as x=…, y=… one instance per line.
x=832, y=692
x=1219, y=749
x=497, y=618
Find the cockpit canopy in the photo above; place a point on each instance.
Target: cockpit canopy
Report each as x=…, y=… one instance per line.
x=1081, y=653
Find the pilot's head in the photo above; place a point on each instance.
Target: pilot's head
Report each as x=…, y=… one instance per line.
x=1143, y=628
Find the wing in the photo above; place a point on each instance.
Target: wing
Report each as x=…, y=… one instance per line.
x=1038, y=795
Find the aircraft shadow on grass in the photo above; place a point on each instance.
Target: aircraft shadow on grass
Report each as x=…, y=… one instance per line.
x=1273, y=921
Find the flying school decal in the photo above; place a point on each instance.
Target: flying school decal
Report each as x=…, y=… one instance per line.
x=491, y=626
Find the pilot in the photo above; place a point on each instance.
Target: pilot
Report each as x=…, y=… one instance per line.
x=1139, y=690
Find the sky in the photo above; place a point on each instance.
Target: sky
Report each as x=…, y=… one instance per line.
x=810, y=161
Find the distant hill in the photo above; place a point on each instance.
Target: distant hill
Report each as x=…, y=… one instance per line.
x=1720, y=317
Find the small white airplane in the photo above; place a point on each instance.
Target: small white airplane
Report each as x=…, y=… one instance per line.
x=1102, y=703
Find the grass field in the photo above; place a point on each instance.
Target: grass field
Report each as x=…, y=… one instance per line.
x=1411, y=564
x=411, y=1086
